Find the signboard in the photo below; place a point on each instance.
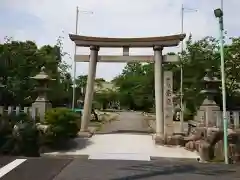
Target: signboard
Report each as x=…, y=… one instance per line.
x=125, y=51
x=168, y=103
x=170, y=58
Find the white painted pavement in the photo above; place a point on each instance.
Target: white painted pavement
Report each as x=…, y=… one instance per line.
x=127, y=147
x=120, y=156
x=9, y=167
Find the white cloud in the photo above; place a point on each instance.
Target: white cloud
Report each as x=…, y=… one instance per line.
x=115, y=18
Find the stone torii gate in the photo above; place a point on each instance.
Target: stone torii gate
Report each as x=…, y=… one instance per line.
x=157, y=43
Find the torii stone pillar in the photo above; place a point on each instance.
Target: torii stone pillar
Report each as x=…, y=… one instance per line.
x=158, y=76
x=89, y=88
x=148, y=42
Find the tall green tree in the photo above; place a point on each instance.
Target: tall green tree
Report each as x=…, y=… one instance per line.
x=136, y=86
x=22, y=60
x=136, y=83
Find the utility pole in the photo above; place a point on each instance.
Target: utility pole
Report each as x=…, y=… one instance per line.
x=183, y=10
x=74, y=60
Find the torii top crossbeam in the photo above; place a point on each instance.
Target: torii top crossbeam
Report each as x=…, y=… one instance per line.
x=163, y=41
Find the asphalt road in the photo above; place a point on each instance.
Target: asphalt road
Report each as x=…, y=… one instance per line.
x=83, y=169
x=128, y=122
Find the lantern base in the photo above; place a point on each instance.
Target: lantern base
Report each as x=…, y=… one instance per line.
x=42, y=106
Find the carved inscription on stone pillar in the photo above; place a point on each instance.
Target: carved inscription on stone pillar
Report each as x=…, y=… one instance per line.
x=214, y=118
x=202, y=117
x=168, y=103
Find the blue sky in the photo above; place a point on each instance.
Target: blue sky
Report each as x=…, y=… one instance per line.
x=43, y=21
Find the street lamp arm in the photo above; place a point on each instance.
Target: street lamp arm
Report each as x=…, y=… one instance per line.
x=189, y=10
x=86, y=12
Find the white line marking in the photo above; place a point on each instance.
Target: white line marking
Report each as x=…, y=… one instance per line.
x=6, y=169
x=120, y=156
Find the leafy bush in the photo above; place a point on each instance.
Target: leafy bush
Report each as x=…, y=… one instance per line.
x=5, y=130
x=26, y=138
x=18, y=135
x=63, y=125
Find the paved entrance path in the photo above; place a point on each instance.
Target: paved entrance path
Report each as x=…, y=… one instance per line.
x=115, y=144
x=125, y=147
x=132, y=122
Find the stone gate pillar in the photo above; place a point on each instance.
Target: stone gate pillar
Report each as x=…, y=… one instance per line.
x=89, y=88
x=168, y=103
x=158, y=73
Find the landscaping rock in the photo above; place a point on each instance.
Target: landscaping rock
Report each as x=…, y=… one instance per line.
x=209, y=143
x=206, y=151
x=190, y=146
x=159, y=140
x=85, y=134
x=175, y=140
x=218, y=150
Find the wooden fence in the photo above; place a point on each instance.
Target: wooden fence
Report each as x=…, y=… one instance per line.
x=233, y=118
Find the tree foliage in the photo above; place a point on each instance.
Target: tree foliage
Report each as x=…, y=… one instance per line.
x=22, y=60
x=136, y=83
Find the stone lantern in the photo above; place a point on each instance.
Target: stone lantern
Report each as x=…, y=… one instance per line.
x=211, y=84
x=42, y=103
x=209, y=112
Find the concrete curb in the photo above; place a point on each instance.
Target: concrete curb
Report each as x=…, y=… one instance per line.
x=154, y=158
x=65, y=156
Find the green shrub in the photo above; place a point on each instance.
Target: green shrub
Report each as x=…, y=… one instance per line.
x=63, y=125
x=18, y=135
x=5, y=130
x=26, y=139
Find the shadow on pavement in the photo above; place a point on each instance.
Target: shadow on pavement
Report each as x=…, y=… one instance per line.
x=188, y=170
x=73, y=144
